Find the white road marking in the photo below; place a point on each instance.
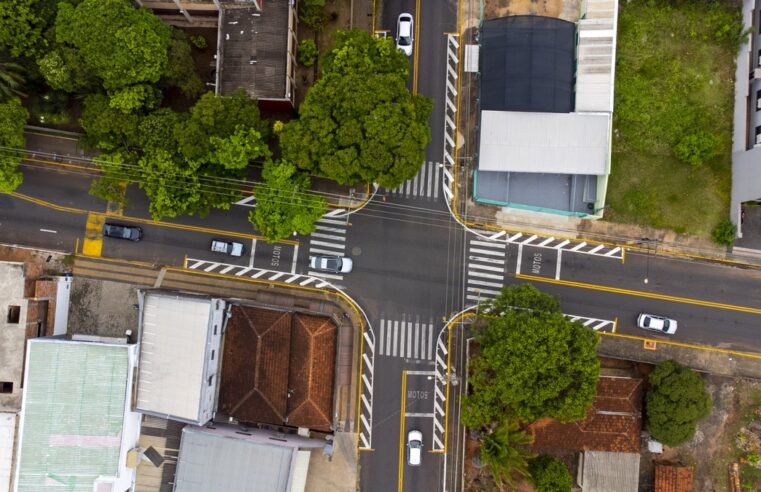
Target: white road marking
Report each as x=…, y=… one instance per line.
x=49, y=230
x=520, y=258
x=476, y=266
x=557, y=266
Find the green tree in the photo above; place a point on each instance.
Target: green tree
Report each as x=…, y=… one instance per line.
x=312, y=14
x=107, y=128
x=359, y=123
x=532, y=363
x=284, y=204
x=64, y=69
x=112, y=183
x=13, y=118
x=22, y=23
x=121, y=44
x=192, y=163
x=697, y=147
x=549, y=474
x=504, y=451
x=180, y=70
x=307, y=52
x=676, y=401
x=11, y=80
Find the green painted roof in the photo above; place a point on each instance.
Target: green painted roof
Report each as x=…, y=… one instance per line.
x=73, y=413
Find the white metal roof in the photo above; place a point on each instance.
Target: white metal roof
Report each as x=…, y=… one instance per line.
x=558, y=143
x=173, y=351
x=596, y=58
x=7, y=430
x=604, y=471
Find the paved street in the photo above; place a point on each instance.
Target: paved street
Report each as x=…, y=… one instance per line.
x=414, y=267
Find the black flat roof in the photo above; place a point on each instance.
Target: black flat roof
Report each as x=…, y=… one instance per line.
x=527, y=64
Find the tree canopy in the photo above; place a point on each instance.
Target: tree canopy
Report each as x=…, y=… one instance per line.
x=284, y=204
x=533, y=362
x=549, y=474
x=504, y=451
x=13, y=118
x=359, y=123
x=22, y=24
x=676, y=401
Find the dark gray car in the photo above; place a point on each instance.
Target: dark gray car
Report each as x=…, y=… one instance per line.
x=122, y=231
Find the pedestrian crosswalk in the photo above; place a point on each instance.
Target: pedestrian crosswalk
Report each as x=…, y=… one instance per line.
x=485, y=269
x=407, y=339
x=425, y=185
x=329, y=238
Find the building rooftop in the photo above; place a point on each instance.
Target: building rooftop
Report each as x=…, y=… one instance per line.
x=177, y=337
x=527, y=64
x=606, y=472
x=7, y=443
x=75, y=427
x=613, y=423
x=213, y=461
x=670, y=478
x=555, y=143
x=254, y=50
x=278, y=368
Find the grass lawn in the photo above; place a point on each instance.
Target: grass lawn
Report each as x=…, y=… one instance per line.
x=674, y=89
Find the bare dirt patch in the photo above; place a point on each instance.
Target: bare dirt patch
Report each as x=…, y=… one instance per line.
x=562, y=9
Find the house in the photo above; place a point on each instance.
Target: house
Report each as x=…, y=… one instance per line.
x=608, y=438
x=179, y=338
x=278, y=368
x=546, y=103
x=77, y=430
x=673, y=478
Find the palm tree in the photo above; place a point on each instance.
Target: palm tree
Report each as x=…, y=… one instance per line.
x=504, y=452
x=11, y=79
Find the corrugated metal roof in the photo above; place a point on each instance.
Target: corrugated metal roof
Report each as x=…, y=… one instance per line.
x=173, y=347
x=610, y=472
x=73, y=414
x=555, y=143
x=7, y=431
x=210, y=461
x=596, y=58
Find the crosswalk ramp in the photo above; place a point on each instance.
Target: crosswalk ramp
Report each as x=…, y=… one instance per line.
x=329, y=238
x=485, y=268
x=406, y=339
x=424, y=185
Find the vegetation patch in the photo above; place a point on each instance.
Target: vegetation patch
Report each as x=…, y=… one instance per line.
x=671, y=161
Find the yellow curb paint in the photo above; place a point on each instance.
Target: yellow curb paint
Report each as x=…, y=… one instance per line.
x=615, y=324
x=401, y=430
x=623, y=256
x=416, y=56
x=93, y=243
x=76, y=247
x=637, y=293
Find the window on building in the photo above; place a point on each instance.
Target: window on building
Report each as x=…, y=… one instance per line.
x=6, y=387
x=14, y=313
x=758, y=100
x=211, y=378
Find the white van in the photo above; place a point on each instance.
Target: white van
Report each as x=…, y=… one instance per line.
x=228, y=247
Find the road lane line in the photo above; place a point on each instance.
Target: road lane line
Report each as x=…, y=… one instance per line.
x=295, y=257
x=396, y=336
x=648, y=295
x=413, y=414
x=520, y=258
x=401, y=430
x=430, y=342
x=382, y=334
x=557, y=266
x=251, y=255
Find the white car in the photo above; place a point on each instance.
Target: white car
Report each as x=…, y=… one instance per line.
x=231, y=248
x=331, y=264
x=660, y=324
x=414, y=447
x=404, y=33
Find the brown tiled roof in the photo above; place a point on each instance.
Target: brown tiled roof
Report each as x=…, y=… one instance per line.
x=673, y=478
x=613, y=423
x=313, y=351
x=269, y=354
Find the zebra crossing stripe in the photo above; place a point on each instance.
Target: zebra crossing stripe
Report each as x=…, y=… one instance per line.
x=211, y=267
x=330, y=229
x=227, y=269
x=596, y=249
x=487, y=284
x=487, y=260
x=613, y=251
x=330, y=245
x=477, y=266
x=562, y=244
x=244, y=271
x=319, y=251
x=485, y=275
x=578, y=246
x=328, y=236
x=259, y=274
x=326, y=275
x=331, y=221
x=546, y=242
x=483, y=291
x=487, y=252
x=489, y=244
x=277, y=276
x=335, y=212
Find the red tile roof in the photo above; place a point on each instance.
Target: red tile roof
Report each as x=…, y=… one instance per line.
x=278, y=368
x=673, y=478
x=612, y=424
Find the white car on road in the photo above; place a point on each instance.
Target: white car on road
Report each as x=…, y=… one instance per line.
x=331, y=264
x=404, y=33
x=660, y=324
x=414, y=447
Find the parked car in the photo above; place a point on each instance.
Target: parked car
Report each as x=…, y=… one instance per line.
x=331, y=264
x=231, y=248
x=121, y=231
x=405, y=33
x=660, y=324
x=414, y=447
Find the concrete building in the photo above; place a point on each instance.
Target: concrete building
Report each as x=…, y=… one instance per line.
x=546, y=103
x=77, y=430
x=179, y=339
x=746, y=142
